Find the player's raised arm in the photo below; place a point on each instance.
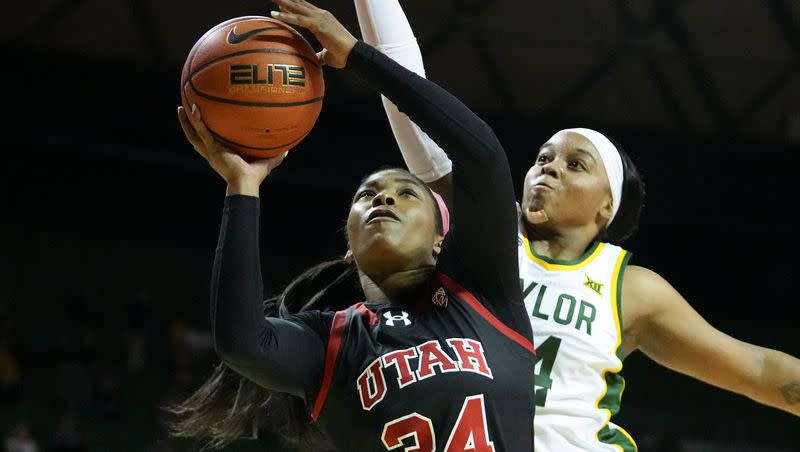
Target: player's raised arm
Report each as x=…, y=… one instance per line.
x=669, y=331
x=484, y=243
x=263, y=350
x=384, y=25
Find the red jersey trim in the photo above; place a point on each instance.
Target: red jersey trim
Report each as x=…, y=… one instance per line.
x=331, y=353
x=373, y=319
x=470, y=299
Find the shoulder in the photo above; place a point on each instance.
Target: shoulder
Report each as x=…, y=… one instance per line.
x=318, y=321
x=642, y=288
x=644, y=292
x=646, y=295
x=637, y=279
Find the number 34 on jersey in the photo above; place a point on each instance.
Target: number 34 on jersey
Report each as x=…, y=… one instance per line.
x=415, y=432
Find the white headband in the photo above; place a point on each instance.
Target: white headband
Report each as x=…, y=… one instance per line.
x=611, y=160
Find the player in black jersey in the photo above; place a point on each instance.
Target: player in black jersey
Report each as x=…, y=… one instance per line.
x=437, y=354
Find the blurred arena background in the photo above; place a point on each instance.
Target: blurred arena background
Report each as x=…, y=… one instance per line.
x=110, y=219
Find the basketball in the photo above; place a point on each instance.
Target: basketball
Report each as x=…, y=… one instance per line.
x=257, y=83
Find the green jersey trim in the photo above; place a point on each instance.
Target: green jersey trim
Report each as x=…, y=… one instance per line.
x=614, y=383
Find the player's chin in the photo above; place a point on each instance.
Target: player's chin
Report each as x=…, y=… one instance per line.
x=382, y=243
x=534, y=203
x=382, y=256
x=389, y=238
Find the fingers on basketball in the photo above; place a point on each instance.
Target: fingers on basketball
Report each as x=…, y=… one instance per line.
x=297, y=6
x=189, y=130
x=321, y=56
x=200, y=126
x=294, y=19
x=302, y=13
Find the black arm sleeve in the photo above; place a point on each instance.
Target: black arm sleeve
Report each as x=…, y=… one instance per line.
x=285, y=355
x=484, y=235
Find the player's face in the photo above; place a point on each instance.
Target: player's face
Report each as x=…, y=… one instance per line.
x=568, y=181
x=392, y=224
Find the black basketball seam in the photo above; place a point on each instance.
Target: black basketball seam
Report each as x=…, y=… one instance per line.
x=193, y=53
x=219, y=137
x=245, y=52
x=252, y=104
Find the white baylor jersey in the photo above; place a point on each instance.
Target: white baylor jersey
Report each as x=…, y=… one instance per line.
x=575, y=314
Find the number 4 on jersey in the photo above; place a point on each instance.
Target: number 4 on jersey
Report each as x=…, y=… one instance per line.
x=546, y=354
x=470, y=434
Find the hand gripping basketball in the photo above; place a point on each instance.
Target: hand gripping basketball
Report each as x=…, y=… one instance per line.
x=334, y=37
x=243, y=177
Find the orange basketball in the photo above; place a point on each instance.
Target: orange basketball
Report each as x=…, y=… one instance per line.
x=257, y=83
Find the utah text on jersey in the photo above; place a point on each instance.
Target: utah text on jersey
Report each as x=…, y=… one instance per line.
x=417, y=363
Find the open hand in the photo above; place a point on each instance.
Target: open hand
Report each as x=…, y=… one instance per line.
x=336, y=40
x=243, y=177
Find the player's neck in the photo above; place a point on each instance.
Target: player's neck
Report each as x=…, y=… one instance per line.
x=398, y=288
x=566, y=244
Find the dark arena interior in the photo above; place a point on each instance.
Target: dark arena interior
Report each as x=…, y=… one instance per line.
x=110, y=218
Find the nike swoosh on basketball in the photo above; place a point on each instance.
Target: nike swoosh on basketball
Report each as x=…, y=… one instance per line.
x=234, y=38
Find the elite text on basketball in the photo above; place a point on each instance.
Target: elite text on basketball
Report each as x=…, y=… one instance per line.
x=270, y=74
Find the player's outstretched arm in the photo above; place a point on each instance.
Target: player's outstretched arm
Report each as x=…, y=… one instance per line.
x=263, y=350
x=661, y=323
x=384, y=25
x=483, y=193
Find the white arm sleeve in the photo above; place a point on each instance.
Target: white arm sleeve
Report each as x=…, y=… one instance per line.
x=385, y=26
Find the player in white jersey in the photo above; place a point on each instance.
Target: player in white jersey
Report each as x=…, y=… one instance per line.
x=582, y=194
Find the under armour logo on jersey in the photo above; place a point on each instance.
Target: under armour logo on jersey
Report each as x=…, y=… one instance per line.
x=391, y=318
x=594, y=285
